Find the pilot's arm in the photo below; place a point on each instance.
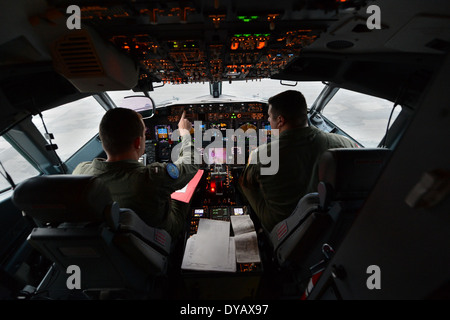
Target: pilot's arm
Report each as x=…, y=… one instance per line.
x=250, y=188
x=249, y=177
x=177, y=174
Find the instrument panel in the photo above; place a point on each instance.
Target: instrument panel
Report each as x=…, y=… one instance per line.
x=204, y=116
x=221, y=163
x=216, y=195
x=218, y=111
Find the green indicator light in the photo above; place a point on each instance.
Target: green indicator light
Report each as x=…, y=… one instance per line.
x=247, y=19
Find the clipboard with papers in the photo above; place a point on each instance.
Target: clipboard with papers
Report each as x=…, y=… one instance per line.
x=212, y=248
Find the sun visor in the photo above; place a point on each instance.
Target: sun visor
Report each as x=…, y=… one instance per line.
x=362, y=72
x=91, y=64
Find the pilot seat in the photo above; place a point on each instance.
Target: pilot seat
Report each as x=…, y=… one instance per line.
x=308, y=237
x=81, y=229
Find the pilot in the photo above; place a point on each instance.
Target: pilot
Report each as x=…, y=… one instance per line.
x=146, y=189
x=273, y=197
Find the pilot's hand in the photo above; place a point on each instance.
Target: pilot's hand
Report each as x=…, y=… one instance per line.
x=184, y=125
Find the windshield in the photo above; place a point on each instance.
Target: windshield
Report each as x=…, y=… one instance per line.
x=361, y=116
x=248, y=90
x=13, y=163
x=72, y=124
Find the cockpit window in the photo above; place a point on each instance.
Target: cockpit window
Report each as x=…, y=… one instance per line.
x=361, y=116
x=72, y=124
x=260, y=90
x=14, y=164
x=266, y=88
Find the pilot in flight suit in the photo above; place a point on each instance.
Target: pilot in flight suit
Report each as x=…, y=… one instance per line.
x=145, y=189
x=273, y=197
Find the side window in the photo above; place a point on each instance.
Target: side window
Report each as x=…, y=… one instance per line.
x=72, y=124
x=17, y=167
x=361, y=116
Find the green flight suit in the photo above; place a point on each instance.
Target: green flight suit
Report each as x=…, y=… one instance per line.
x=274, y=197
x=147, y=189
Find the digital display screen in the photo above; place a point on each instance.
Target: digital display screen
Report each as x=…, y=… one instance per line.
x=199, y=212
x=162, y=132
x=219, y=213
x=217, y=155
x=238, y=211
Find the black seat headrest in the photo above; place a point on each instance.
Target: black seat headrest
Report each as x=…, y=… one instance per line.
x=63, y=198
x=349, y=173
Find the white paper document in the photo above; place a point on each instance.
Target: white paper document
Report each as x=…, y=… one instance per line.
x=242, y=224
x=247, y=248
x=211, y=249
x=245, y=238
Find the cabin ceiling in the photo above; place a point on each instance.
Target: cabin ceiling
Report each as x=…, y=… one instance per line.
x=138, y=44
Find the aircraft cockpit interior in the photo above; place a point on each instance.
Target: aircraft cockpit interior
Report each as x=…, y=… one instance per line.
x=374, y=74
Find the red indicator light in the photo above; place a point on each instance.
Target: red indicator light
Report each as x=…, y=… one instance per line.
x=213, y=187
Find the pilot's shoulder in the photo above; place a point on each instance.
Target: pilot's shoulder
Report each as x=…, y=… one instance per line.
x=337, y=141
x=82, y=167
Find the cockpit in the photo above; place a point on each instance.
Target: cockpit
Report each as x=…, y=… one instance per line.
x=373, y=72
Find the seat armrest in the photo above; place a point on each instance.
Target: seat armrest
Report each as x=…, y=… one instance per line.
x=307, y=204
x=159, y=239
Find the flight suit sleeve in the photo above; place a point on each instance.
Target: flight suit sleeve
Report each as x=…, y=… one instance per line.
x=188, y=162
x=249, y=186
x=250, y=175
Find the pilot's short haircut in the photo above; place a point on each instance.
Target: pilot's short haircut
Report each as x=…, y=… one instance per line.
x=290, y=104
x=119, y=128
